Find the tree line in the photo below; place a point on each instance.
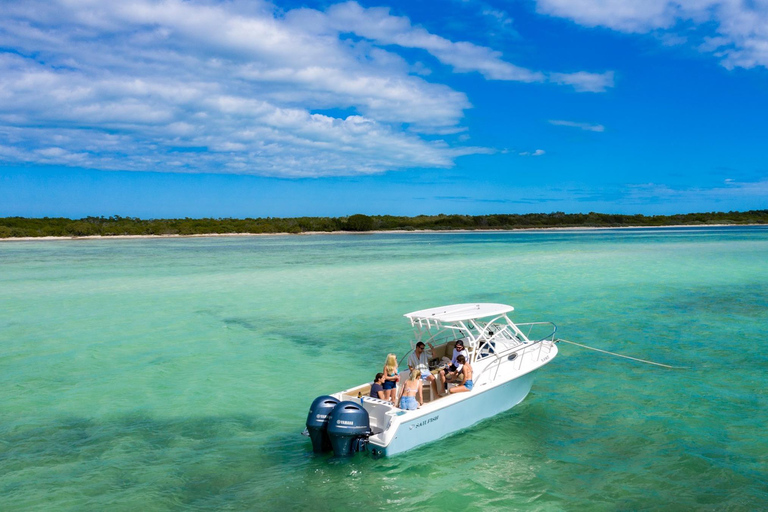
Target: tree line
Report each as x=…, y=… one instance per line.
x=15, y=227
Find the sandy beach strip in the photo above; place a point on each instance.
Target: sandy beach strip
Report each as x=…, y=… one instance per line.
x=376, y=232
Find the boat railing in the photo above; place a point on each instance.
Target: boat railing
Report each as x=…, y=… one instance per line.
x=521, y=350
x=488, y=345
x=532, y=325
x=404, y=358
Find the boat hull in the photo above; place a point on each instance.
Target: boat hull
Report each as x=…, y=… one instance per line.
x=471, y=408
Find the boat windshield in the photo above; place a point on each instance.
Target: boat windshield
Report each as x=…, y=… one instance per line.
x=485, y=328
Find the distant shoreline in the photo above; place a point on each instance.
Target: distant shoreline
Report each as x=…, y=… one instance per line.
x=360, y=233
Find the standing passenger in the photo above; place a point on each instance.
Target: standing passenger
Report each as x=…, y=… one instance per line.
x=391, y=377
x=410, y=388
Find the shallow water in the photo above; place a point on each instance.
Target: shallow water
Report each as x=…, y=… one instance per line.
x=170, y=374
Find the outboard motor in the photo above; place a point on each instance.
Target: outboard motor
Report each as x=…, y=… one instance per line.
x=317, y=423
x=348, y=428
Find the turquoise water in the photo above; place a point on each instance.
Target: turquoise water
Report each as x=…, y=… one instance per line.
x=171, y=374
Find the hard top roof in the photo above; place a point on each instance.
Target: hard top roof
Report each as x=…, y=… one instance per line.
x=459, y=312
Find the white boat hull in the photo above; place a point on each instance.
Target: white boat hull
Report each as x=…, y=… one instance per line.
x=502, y=361
x=468, y=409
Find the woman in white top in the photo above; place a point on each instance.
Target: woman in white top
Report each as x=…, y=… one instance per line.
x=453, y=371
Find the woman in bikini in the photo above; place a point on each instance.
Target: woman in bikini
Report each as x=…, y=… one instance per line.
x=411, y=388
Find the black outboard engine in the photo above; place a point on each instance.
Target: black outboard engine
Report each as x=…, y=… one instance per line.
x=317, y=422
x=348, y=428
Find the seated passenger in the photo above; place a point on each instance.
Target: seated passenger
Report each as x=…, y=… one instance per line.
x=391, y=377
x=452, y=372
x=466, y=372
x=377, y=388
x=410, y=388
x=419, y=361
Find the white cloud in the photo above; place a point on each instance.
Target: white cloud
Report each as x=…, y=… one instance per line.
x=378, y=25
x=501, y=17
x=583, y=81
x=624, y=15
x=170, y=78
x=741, y=27
x=200, y=86
x=583, y=126
x=538, y=152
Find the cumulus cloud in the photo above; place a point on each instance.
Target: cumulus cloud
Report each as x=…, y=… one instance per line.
x=378, y=25
x=197, y=87
x=582, y=126
x=201, y=86
x=741, y=28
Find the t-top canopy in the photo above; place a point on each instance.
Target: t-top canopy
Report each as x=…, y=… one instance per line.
x=460, y=312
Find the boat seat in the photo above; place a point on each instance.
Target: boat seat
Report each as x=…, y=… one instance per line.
x=426, y=393
x=364, y=390
x=442, y=351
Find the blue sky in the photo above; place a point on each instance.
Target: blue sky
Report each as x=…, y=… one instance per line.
x=254, y=109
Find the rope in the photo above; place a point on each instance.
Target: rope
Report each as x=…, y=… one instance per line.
x=620, y=355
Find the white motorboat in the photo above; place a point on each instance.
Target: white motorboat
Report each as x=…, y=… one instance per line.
x=504, y=357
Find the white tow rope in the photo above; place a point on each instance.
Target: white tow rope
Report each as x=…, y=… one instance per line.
x=619, y=355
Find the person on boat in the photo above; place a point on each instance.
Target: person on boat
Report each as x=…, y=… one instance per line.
x=411, y=389
x=418, y=360
x=377, y=388
x=391, y=377
x=466, y=372
x=452, y=372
